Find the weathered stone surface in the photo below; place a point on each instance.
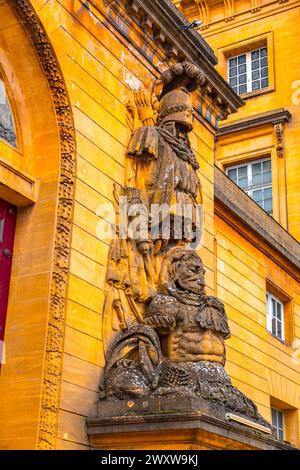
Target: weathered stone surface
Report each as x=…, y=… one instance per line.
x=125, y=424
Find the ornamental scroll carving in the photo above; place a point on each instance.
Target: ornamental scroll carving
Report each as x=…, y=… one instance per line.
x=163, y=335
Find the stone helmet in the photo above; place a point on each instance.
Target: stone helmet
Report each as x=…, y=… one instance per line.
x=175, y=101
x=176, y=106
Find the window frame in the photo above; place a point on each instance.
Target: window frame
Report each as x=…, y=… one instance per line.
x=269, y=316
x=245, y=45
x=250, y=188
x=249, y=71
x=277, y=428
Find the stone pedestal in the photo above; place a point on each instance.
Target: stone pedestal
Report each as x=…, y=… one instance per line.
x=166, y=423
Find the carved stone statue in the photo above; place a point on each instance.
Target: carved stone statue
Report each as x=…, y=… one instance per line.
x=192, y=325
x=163, y=335
x=187, y=355
x=161, y=169
x=164, y=167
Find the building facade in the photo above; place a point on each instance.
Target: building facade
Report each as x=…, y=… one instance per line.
x=70, y=71
x=255, y=46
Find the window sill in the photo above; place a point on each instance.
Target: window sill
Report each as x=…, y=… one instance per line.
x=251, y=94
x=282, y=341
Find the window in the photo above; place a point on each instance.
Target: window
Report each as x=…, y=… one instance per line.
x=255, y=178
x=278, y=423
x=275, y=316
x=249, y=72
x=7, y=126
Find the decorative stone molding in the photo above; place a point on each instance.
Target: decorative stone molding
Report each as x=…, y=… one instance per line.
x=158, y=420
x=17, y=187
x=203, y=11
x=163, y=20
x=255, y=6
x=237, y=202
x=279, y=135
x=56, y=319
x=274, y=117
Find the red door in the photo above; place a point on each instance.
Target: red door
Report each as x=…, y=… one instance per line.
x=7, y=232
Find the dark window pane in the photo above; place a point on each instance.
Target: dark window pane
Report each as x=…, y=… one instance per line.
x=243, y=182
x=242, y=59
x=254, y=55
x=233, y=62
x=255, y=65
x=257, y=196
x=280, y=435
x=256, y=179
x=274, y=417
x=268, y=205
x=235, y=89
x=255, y=75
x=278, y=311
x=243, y=89
x=233, y=72
x=264, y=72
x=267, y=193
x=242, y=171
x=267, y=177
x=242, y=79
x=264, y=62
x=242, y=68
x=7, y=126
x=279, y=330
x=256, y=85
x=274, y=326
x=233, y=82
x=273, y=307
x=267, y=174
x=256, y=173
x=233, y=174
x=264, y=83
x=264, y=52
x=280, y=419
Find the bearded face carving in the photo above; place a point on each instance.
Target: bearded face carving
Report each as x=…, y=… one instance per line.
x=197, y=324
x=189, y=275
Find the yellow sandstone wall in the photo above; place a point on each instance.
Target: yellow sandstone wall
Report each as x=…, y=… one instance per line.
x=259, y=364
x=37, y=160
x=279, y=24
x=101, y=73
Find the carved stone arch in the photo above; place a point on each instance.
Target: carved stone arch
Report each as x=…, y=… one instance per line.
x=58, y=274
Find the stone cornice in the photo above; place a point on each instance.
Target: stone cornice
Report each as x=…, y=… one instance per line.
x=205, y=421
x=238, y=19
x=238, y=203
x=160, y=20
x=277, y=116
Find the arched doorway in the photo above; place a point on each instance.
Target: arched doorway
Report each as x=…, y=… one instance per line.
x=36, y=176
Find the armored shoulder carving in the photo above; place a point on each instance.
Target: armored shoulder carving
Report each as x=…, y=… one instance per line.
x=212, y=316
x=162, y=313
